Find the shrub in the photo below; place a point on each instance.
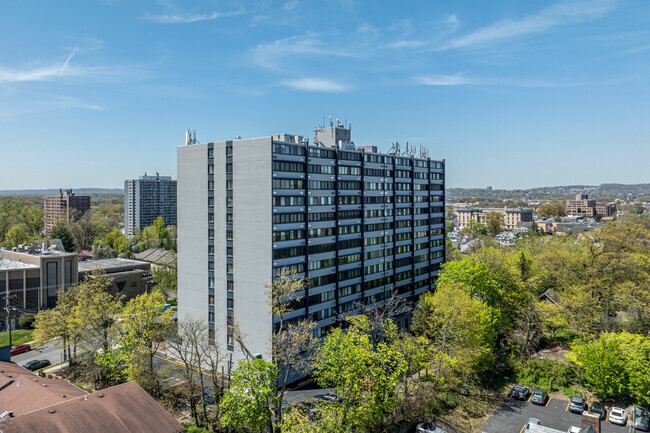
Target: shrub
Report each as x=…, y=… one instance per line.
x=548, y=374
x=27, y=321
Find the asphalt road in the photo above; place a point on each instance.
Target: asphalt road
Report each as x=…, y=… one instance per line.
x=304, y=393
x=512, y=416
x=50, y=351
x=54, y=353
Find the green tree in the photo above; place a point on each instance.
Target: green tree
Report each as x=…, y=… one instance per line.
x=26, y=321
x=62, y=231
x=162, y=234
x=460, y=329
x=145, y=325
x=551, y=210
x=84, y=232
x=33, y=217
x=166, y=278
x=60, y=322
x=475, y=227
x=495, y=222
x=17, y=235
x=365, y=375
x=604, y=365
x=251, y=396
x=115, y=240
x=95, y=323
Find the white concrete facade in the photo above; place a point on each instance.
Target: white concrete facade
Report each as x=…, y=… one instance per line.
x=192, y=231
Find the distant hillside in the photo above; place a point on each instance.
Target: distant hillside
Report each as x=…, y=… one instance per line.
x=606, y=190
x=24, y=192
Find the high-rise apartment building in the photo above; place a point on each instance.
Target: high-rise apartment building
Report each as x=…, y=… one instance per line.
x=65, y=206
x=146, y=199
x=355, y=224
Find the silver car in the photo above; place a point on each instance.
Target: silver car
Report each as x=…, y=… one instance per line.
x=427, y=427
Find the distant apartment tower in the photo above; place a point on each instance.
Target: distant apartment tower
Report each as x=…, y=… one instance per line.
x=512, y=218
x=581, y=205
x=146, y=199
x=355, y=223
x=65, y=206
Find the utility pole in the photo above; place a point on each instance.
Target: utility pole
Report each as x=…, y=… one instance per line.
x=8, y=310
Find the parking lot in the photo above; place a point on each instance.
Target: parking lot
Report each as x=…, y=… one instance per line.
x=512, y=416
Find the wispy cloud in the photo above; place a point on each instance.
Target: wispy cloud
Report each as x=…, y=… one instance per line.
x=184, y=17
x=406, y=44
x=461, y=80
x=445, y=80
x=272, y=55
x=290, y=5
x=317, y=85
x=452, y=19
x=565, y=12
x=66, y=69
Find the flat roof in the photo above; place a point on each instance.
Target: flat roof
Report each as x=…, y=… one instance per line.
x=15, y=265
x=91, y=265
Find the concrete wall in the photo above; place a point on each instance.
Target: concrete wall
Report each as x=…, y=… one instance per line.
x=193, y=231
x=252, y=224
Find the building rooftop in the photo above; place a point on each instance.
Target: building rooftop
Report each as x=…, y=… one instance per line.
x=50, y=405
x=109, y=264
x=157, y=255
x=6, y=264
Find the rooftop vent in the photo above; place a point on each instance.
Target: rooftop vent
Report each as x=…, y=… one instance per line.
x=45, y=384
x=63, y=395
x=52, y=411
x=101, y=395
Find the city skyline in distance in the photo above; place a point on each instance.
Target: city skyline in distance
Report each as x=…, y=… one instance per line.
x=512, y=95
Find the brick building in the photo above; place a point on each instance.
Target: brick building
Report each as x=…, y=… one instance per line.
x=65, y=206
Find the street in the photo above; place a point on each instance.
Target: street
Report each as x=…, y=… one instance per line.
x=51, y=351
x=54, y=353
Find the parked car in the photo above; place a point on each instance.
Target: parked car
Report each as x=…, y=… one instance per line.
x=640, y=418
x=37, y=364
x=427, y=427
x=618, y=416
x=577, y=404
x=597, y=408
x=520, y=392
x=539, y=397
x=531, y=421
x=20, y=348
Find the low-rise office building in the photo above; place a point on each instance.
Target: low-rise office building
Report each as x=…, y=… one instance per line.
x=582, y=205
x=512, y=218
x=30, y=278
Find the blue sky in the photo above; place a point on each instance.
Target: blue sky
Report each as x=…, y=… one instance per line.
x=512, y=94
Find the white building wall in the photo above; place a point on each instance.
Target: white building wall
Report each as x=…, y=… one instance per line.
x=193, y=231
x=252, y=225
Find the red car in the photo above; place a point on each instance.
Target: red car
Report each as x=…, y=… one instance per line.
x=21, y=348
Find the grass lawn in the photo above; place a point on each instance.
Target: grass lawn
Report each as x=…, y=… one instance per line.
x=18, y=336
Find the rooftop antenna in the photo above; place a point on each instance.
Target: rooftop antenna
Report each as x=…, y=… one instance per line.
x=190, y=137
x=424, y=152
